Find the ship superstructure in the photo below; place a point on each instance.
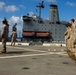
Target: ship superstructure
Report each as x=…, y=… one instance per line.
x=35, y=28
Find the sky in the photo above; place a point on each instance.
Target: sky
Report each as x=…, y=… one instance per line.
x=13, y=10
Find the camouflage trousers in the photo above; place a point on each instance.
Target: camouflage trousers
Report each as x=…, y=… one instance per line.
x=4, y=43
x=72, y=45
x=13, y=40
x=68, y=44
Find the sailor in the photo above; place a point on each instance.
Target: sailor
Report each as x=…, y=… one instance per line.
x=13, y=38
x=7, y=26
x=73, y=35
x=4, y=36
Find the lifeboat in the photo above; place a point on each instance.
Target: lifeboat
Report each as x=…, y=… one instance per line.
x=28, y=33
x=43, y=34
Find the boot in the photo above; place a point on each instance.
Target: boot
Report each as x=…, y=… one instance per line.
x=3, y=51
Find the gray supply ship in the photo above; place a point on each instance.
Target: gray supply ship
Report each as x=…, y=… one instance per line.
x=37, y=29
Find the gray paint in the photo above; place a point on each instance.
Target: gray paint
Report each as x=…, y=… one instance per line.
x=57, y=30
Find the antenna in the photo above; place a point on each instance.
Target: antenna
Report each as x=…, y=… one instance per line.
x=40, y=6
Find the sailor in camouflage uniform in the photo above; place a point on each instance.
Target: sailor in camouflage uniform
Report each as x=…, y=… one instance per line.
x=6, y=21
x=73, y=35
x=13, y=35
x=71, y=42
x=4, y=36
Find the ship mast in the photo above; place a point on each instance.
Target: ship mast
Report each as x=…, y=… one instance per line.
x=40, y=6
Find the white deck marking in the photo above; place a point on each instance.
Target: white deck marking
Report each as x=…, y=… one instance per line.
x=40, y=54
x=27, y=49
x=62, y=53
x=18, y=56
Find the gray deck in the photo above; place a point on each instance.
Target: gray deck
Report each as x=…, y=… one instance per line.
x=36, y=60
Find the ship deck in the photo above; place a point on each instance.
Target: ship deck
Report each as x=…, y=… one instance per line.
x=36, y=60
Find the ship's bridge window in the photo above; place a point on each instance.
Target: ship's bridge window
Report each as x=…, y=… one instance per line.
x=25, y=18
x=57, y=22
